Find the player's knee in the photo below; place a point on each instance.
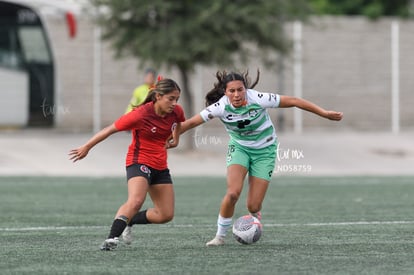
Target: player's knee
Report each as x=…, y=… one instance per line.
x=162, y=215
x=166, y=217
x=254, y=207
x=169, y=217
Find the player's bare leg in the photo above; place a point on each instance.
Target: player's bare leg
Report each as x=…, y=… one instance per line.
x=137, y=191
x=235, y=178
x=256, y=195
x=162, y=196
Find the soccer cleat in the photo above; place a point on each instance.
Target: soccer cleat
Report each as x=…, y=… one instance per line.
x=110, y=244
x=217, y=241
x=127, y=235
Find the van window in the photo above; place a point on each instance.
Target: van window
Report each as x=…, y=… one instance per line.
x=34, y=45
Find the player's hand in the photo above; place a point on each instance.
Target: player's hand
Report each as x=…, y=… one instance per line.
x=332, y=115
x=171, y=143
x=78, y=154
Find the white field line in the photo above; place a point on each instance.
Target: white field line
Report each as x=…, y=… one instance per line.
x=340, y=223
x=49, y=228
x=63, y=228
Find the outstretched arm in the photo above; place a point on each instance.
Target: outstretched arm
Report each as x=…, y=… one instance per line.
x=191, y=123
x=81, y=152
x=290, y=101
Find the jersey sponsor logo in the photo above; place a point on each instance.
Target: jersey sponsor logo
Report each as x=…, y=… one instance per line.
x=247, y=133
x=145, y=169
x=260, y=95
x=216, y=104
x=241, y=124
x=230, y=116
x=270, y=173
x=154, y=129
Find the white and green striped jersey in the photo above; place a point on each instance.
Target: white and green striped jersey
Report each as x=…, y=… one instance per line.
x=249, y=125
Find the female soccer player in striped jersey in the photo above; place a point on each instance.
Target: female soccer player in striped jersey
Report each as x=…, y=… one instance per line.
x=151, y=125
x=253, y=142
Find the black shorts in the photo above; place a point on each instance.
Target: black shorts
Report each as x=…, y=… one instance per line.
x=152, y=175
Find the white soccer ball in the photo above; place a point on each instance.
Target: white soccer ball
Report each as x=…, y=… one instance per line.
x=247, y=229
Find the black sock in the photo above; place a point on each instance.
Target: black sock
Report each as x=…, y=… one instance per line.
x=118, y=227
x=139, y=218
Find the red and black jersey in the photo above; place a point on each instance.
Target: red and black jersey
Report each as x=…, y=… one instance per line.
x=149, y=134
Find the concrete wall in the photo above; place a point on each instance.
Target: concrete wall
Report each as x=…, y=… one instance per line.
x=346, y=67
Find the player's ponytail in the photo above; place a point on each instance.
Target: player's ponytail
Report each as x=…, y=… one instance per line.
x=223, y=78
x=150, y=97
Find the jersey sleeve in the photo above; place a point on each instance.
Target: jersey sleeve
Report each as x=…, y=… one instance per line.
x=266, y=100
x=212, y=111
x=180, y=113
x=129, y=121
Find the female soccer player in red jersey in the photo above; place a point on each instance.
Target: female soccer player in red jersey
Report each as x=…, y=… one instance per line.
x=151, y=125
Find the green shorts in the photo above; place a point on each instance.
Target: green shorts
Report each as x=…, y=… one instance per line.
x=258, y=162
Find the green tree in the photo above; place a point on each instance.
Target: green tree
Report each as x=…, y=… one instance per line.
x=371, y=8
x=183, y=33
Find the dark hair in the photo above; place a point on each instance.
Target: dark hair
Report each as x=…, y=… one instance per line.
x=151, y=71
x=162, y=87
x=223, y=78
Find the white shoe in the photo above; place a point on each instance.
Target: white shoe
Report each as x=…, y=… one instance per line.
x=217, y=241
x=127, y=235
x=110, y=244
x=257, y=215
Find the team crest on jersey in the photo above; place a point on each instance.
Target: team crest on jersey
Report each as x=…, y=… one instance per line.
x=154, y=129
x=144, y=169
x=253, y=113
